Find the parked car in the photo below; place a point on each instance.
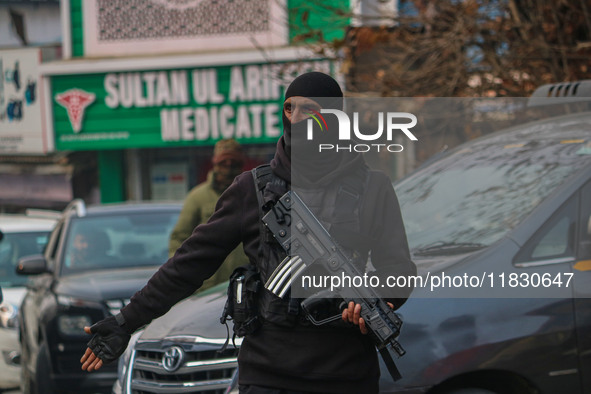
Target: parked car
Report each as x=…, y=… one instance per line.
x=23, y=234
x=513, y=205
x=95, y=260
x=515, y=202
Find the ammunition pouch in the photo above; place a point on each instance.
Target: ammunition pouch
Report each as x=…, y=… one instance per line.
x=242, y=303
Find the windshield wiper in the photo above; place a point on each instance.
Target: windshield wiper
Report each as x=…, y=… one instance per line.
x=440, y=247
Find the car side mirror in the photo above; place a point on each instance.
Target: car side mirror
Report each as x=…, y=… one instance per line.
x=32, y=265
x=1, y=235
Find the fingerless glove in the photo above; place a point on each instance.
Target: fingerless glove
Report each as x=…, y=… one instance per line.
x=110, y=339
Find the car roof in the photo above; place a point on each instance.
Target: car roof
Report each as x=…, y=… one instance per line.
x=131, y=207
x=17, y=223
x=565, y=127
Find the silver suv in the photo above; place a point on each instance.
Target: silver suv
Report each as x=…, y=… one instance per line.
x=23, y=234
x=180, y=353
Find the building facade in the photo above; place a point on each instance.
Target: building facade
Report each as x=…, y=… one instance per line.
x=32, y=173
x=146, y=88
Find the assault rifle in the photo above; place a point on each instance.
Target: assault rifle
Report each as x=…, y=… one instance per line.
x=308, y=243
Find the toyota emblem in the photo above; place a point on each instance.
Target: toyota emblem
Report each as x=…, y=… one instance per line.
x=173, y=358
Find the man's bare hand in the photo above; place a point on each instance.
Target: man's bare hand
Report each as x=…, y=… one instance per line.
x=352, y=314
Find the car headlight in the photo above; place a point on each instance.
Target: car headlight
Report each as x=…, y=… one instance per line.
x=73, y=324
x=8, y=316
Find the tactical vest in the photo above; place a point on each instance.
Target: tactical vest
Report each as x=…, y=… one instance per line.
x=335, y=206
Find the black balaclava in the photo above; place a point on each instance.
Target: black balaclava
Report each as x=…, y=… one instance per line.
x=309, y=166
x=310, y=85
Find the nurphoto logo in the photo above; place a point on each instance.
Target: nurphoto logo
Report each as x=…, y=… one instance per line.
x=394, y=122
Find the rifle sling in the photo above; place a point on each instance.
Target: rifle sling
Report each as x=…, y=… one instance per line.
x=387, y=357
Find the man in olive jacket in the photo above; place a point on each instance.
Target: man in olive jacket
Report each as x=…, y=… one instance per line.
x=228, y=160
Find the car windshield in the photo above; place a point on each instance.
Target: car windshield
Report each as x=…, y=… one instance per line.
x=476, y=195
x=14, y=246
x=118, y=241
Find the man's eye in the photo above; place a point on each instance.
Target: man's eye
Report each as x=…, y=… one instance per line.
x=287, y=107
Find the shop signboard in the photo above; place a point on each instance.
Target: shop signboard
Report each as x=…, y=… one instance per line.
x=174, y=107
x=47, y=186
x=22, y=130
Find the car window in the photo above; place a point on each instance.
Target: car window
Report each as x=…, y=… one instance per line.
x=555, y=239
x=473, y=197
x=12, y=248
x=555, y=242
x=118, y=241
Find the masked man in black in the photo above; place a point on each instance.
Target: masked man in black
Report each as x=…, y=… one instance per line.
x=285, y=354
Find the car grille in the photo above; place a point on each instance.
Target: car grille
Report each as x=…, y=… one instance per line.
x=203, y=367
